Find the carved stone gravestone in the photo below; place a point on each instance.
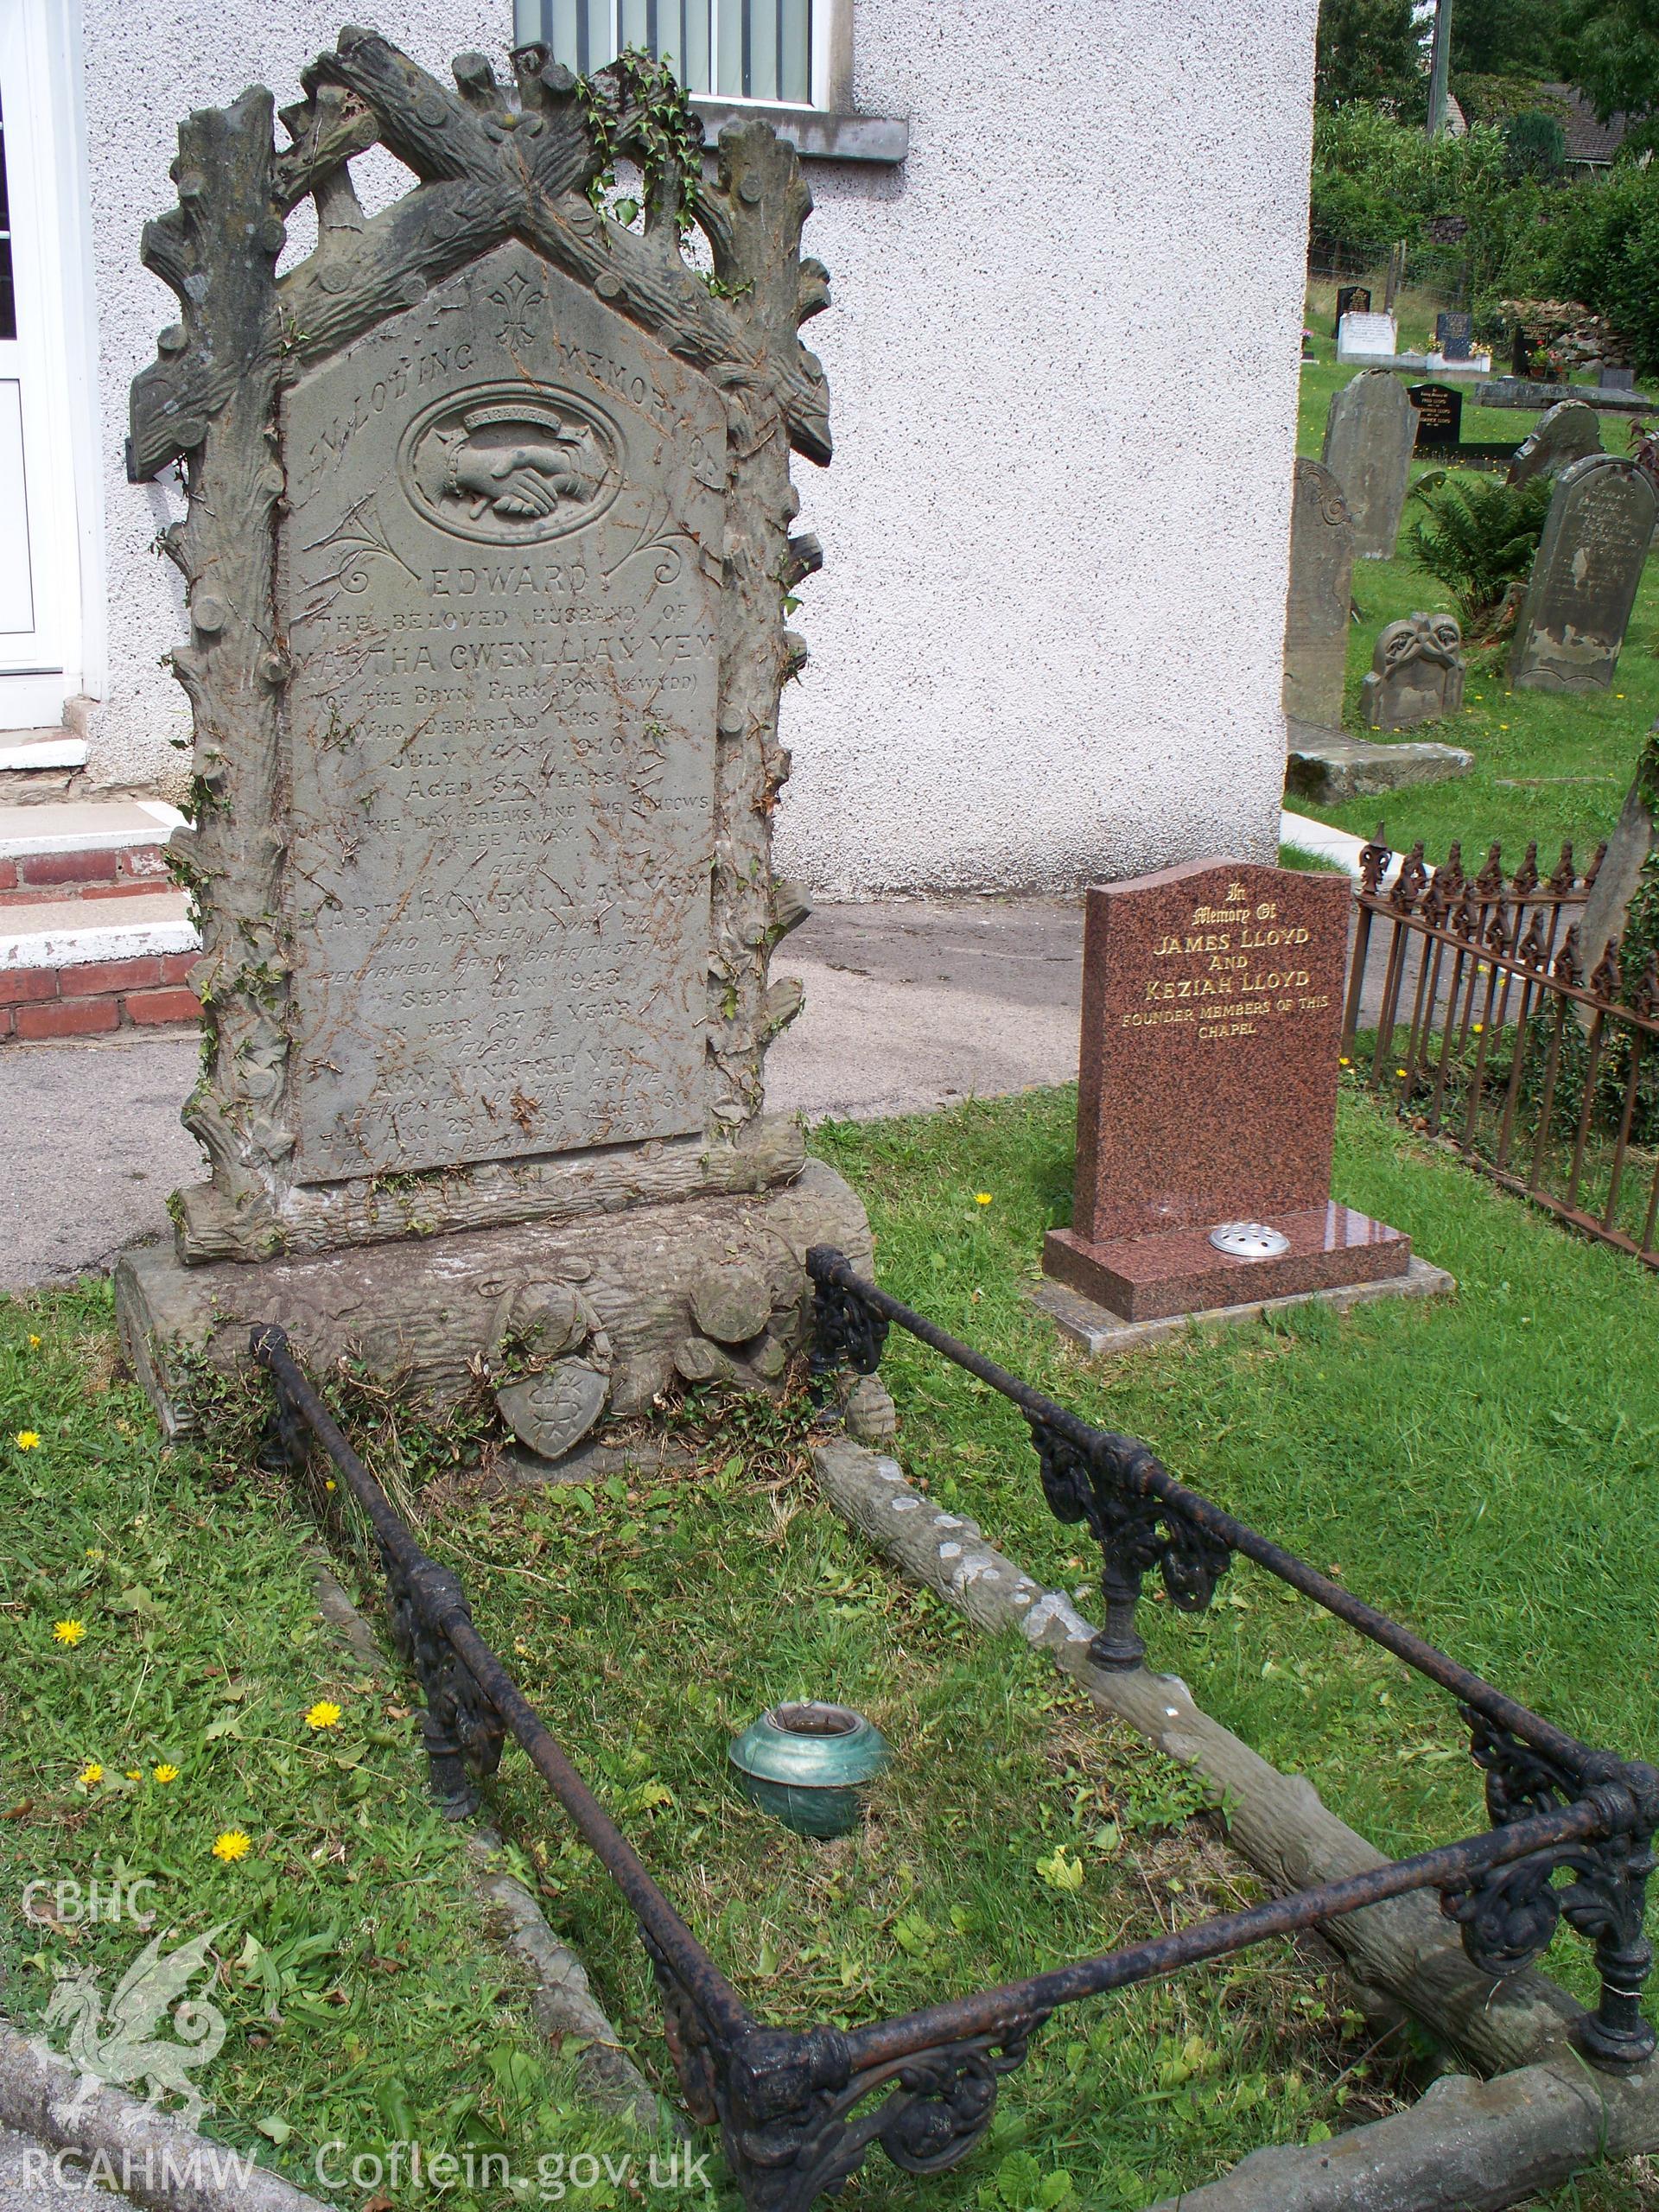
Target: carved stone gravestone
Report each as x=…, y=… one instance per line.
x=1212, y=1016
x=486, y=545
x=1439, y=417
x=1351, y=299
x=1416, y=675
x=1454, y=334
x=1367, y=440
x=1318, y=604
x=1584, y=577
x=1563, y=434
x=1626, y=861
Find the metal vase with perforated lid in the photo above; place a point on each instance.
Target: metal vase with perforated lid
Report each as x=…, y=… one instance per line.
x=807, y=1765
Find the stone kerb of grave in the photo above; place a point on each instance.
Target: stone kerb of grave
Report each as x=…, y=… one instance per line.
x=1206, y=1112
x=487, y=542
x=1584, y=577
x=1417, y=673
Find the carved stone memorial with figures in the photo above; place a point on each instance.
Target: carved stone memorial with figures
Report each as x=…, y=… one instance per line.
x=1206, y=1109
x=486, y=539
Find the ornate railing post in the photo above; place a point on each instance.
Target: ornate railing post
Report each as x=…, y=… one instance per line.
x=285, y=1443
x=846, y=1332
x=461, y=1730
x=1508, y=1916
x=1109, y=1486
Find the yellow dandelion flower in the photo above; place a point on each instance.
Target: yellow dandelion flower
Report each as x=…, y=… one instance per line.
x=90, y=1775
x=329, y=1482
x=68, y=1631
x=982, y=1198
x=26, y=1440
x=34, y=1342
x=1345, y=1062
x=1480, y=1028
x=1399, y=1072
x=135, y=1774
x=323, y=1714
x=165, y=1773
x=230, y=1846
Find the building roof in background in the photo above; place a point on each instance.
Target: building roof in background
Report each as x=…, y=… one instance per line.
x=1587, y=139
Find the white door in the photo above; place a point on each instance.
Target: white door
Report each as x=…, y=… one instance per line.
x=40, y=585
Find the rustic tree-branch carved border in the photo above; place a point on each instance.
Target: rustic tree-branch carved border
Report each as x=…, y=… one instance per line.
x=492, y=162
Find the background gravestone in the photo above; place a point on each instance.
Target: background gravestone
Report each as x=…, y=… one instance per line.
x=1416, y=674
x=1211, y=1020
x=486, y=545
x=1361, y=336
x=1367, y=440
x=1454, y=334
x=1563, y=434
x=1351, y=299
x=1584, y=577
x=1319, y=601
x=1440, y=416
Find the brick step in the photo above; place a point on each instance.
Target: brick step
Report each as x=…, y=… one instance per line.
x=68, y=969
x=88, y=848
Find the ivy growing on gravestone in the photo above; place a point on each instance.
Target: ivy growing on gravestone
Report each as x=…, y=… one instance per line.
x=670, y=137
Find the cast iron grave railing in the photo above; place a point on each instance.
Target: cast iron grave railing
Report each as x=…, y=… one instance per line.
x=791, y=2103
x=1490, y=1037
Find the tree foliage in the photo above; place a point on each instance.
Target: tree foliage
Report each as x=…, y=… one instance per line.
x=1370, y=50
x=1614, y=61
x=1509, y=38
x=1535, y=145
x=1596, y=239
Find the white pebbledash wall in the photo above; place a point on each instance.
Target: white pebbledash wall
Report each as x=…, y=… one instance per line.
x=1063, y=352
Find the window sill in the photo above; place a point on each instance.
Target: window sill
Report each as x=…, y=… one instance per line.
x=816, y=135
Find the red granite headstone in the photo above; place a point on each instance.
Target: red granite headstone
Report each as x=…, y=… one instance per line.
x=1211, y=1021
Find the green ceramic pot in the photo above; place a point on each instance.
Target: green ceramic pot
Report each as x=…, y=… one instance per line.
x=807, y=1765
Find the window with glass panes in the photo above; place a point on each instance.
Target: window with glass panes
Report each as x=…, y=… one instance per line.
x=722, y=49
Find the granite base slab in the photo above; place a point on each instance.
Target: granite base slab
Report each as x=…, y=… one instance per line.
x=1100, y=1333
x=1180, y=1271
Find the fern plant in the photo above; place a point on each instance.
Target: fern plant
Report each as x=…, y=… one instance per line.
x=1478, y=538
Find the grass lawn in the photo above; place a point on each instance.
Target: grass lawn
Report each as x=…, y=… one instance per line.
x=363, y=1999
x=1482, y=1467
x=1546, y=767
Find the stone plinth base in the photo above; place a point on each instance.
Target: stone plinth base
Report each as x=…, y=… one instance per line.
x=1147, y=1278
x=567, y=1321
x=1100, y=1334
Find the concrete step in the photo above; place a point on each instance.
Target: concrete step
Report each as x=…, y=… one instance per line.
x=23, y=749
x=85, y=849
x=75, y=968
